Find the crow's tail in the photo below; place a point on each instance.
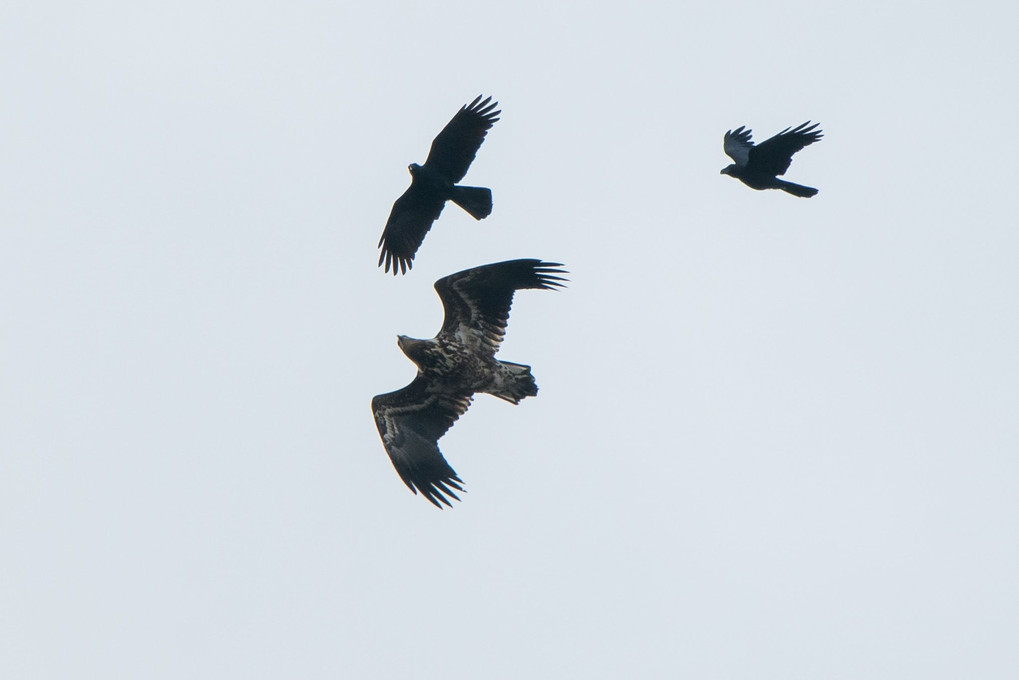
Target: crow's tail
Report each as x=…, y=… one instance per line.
x=475, y=200
x=796, y=189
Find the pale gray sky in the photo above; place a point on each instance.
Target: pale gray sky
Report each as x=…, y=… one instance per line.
x=776, y=438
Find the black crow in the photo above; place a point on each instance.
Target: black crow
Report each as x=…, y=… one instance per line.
x=759, y=166
x=453, y=366
x=434, y=183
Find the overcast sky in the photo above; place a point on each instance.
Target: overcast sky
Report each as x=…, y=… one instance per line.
x=776, y=438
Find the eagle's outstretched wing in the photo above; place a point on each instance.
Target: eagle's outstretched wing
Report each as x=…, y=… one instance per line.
x=409, y=220
x=477, y=301
x=773, y=156
x=410, y=422
x=737, y=145
x=454, y=148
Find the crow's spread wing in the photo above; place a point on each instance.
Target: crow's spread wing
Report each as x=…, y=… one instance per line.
x=737, y=145
x=454, y=148
x=773, y=156
x=410, y=422
x=411, y=218
x=477, y=301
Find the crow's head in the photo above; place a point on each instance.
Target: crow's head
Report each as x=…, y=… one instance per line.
x=413, y=169
x=729, y=170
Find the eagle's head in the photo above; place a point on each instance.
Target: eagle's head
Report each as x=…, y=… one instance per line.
x=729, y=170
x=414, y=349
x=413, y=169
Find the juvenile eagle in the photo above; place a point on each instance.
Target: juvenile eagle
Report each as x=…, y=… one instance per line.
x=758, y=166
x=435, y=182
x=453, y=366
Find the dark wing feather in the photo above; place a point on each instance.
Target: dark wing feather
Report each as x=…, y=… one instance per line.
x=454, y=148
x=410, y=219
x=410, y=422
x=737, y=145
x=773, y=156
x=477, y=301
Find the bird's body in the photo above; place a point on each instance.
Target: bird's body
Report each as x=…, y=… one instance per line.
x=759, y=166
x=435, y=182
x=455, y=365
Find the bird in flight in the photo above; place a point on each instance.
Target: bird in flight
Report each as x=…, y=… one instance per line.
x=435, y=182
x=759, y=166
x=453, y=366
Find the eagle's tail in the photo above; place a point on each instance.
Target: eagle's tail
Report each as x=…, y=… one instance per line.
x=796, y=189
x=475, y=200
x=514, y=382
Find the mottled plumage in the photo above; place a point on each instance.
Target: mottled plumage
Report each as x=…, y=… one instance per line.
x=759, y=166
x=453, y=366
x=435, y=182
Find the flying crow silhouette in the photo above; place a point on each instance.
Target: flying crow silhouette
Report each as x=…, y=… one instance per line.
x=758, y=166
x=435, y=182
